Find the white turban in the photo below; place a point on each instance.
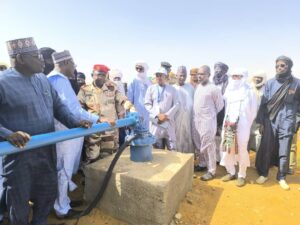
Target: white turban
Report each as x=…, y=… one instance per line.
x=240, y=71
x=142, y=75
x=143, y=64
x=259, y=73
x=236, y=84
x=115, y=73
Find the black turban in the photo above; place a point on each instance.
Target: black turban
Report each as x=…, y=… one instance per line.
x=166, y=64
x=47, y=52
x=285, y=59
x=222, y=65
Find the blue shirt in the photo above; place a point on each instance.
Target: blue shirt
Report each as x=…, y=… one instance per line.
x=66, y=93
x=285, y=120
x=136, y=95
x=29, y=104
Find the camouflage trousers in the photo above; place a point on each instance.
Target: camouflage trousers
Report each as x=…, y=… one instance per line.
x=97, y=143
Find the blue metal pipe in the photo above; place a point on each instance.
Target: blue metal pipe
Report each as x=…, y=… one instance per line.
x=54, y=137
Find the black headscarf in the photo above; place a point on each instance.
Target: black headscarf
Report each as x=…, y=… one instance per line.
x=284, y=76
x=286, y=59
x=74, y=83
x=277, y=100
x=47, y=55
x=223, y=77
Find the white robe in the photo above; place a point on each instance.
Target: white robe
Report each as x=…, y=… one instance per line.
x=208, y=101
x=240, y=103
x=184, y=117
x=68, y=152
x=168, y=105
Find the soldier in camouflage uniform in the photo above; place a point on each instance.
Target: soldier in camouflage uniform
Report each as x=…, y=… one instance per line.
x=103, y=99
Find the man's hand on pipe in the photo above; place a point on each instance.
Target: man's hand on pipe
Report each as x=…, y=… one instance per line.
x=19, y=139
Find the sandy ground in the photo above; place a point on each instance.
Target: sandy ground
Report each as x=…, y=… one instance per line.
x=219, y=203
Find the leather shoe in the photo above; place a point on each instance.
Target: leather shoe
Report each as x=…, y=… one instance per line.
x=72, y=214
x=76, y=203
x=199, y=168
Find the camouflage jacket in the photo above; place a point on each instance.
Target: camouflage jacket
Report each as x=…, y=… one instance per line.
x=105, y=102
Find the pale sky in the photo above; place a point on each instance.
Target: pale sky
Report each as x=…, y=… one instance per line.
x=241, y=33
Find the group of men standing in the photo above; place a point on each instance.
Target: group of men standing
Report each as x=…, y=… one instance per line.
x=211, y=119
x=39, y=95
x=220, y=121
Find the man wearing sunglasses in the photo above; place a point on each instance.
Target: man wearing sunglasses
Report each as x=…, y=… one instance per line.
x=276, y=118
x=28, y=106
x=137, y=91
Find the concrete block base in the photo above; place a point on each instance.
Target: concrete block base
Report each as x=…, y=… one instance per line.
x=142, y=193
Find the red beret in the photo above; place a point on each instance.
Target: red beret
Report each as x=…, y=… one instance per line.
x=101, y=68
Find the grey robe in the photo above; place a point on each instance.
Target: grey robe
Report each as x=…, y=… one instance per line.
x=167, y=104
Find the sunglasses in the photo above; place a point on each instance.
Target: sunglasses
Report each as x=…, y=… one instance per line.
x=139, y=68
x=280, y=65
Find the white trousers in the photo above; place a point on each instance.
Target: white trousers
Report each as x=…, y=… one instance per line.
x=68, y=158
x=229, y=160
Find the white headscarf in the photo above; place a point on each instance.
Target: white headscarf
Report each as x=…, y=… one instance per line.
x=236, y=84
x=261, y=74
x=142, y=76
x=117, y=73
x=236, y=89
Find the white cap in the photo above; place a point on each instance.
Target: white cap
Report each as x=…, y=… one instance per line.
x=162, y=70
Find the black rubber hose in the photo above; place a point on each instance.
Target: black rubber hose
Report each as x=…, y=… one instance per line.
x=106, y=179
